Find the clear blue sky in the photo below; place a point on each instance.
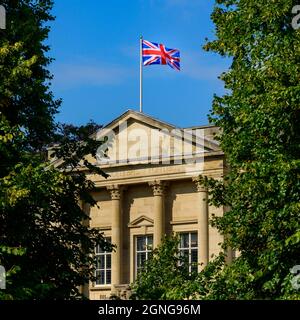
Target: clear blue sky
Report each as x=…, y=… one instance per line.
x=95, y=44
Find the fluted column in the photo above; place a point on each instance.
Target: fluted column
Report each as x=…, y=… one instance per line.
x=203, y=235
x=158, y=188
x=116, y=234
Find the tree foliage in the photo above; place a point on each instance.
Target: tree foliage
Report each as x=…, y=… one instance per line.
x=25, y=95
x=46, y=244
x=259, y=119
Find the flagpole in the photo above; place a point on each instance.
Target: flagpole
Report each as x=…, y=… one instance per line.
x=141, y=74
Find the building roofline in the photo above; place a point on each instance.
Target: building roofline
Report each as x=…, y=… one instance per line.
x=142, y=114
x=128, y=111
x=205, y=126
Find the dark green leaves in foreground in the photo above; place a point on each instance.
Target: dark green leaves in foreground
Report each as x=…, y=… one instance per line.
x=46, y=244
x=259, y=118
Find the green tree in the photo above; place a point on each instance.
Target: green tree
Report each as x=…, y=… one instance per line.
x=259, y=117
x=46, y=244
x=27, y=100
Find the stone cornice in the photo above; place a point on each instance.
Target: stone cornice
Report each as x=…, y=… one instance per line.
x=133, y=180
x=179, y=222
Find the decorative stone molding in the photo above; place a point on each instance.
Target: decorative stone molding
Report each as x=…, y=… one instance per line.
x=104, y=228
x=199, y=186
x=115, y=192
x=179, y=222
x=158, y=187
x=141, y=222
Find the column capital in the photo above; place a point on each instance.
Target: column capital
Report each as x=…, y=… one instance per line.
x=199, y=185
x=158, y=187
x=115, y=191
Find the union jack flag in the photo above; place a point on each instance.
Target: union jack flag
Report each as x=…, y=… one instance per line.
x=154, y=53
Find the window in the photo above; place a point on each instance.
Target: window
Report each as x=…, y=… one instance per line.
x=103, y=265
x=143, y=250
x=188, y=247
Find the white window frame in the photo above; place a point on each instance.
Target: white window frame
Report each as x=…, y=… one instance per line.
x=190, y=248
x=105, y=254
x=147, y=250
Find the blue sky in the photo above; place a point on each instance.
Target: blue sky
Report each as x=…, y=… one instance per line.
x=95, y=44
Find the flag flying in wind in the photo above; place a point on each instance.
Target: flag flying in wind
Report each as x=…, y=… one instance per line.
x=154, y=53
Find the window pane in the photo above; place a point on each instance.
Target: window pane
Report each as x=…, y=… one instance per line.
x=141, y=258
x=194, y=239
x=184, y=240
x=194, y=255
x=141, y=243
x=97, y=262
x=100, y=262
x=150, y=241
x=108, y=261
x=100, y=277
x=143, y=250
x=185, y=253
x=100, y=250
x=97, y=277
x=108, y=277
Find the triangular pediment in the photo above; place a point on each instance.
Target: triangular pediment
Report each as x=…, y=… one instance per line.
x=139, y=117
x=141, y=221
x=135, y=138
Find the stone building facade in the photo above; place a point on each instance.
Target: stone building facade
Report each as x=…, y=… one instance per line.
x=153, y=189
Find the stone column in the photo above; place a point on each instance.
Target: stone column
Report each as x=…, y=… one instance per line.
x=158, y=188
x=116, y=234
x=203, y=236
